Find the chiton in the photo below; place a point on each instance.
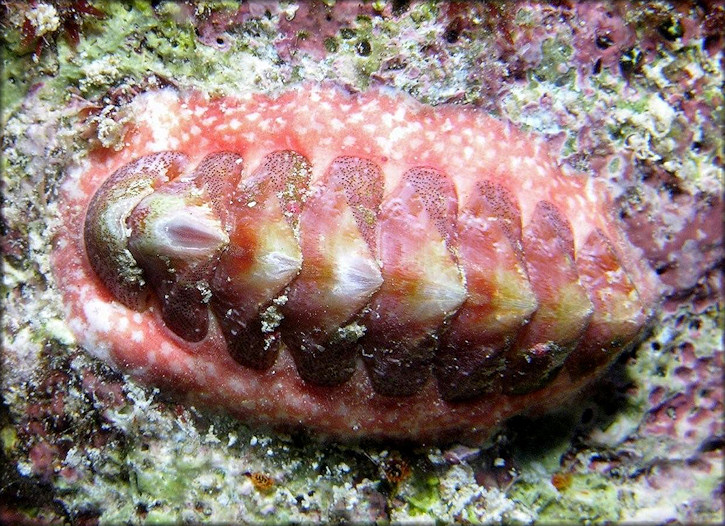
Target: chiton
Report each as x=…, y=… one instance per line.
x=359, y=265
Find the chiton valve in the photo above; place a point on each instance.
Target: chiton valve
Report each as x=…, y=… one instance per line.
x=432, y=268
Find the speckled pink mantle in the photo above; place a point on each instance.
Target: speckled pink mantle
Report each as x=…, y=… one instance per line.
x=321, y=123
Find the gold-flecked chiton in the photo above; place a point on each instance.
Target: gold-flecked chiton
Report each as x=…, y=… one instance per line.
x=359, y=265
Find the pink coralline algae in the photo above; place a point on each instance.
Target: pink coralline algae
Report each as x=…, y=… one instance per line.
x=357, y=265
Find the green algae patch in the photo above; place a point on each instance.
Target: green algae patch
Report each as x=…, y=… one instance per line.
x=14, y=84
x=9, y=439
x=132, y=43
x=555, y=63
x=424, y=495
x=588, y=498
x=368, y=43
x=170, y=483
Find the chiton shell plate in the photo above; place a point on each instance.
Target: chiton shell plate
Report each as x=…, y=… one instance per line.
x=357, y=265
